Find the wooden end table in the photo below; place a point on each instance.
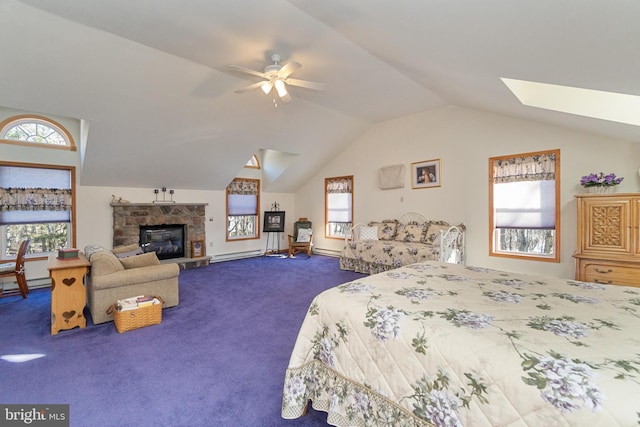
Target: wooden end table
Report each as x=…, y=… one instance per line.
x=68, y=295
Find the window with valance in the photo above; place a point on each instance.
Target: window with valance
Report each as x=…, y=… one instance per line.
x=338, y=206
x=524, y=200
x=36, y=202
x=243, y=204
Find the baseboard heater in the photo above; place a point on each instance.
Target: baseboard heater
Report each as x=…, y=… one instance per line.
x=236, y=255
x=327, y=252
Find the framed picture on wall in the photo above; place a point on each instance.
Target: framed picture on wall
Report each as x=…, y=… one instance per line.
x=273, y=222
x=197, y=248
x=426, y=174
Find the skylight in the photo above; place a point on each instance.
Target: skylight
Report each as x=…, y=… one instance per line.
x=615, y=107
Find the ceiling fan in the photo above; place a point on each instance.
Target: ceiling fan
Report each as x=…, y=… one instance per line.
x=277, y=76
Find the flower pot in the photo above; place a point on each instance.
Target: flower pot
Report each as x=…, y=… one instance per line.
x=601, y=189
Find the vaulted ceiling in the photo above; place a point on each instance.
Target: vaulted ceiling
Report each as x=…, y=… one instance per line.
x=149, y=78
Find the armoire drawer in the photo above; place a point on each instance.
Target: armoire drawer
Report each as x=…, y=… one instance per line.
x=612, y=274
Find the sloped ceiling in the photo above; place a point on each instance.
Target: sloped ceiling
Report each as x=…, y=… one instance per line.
x=149, y=77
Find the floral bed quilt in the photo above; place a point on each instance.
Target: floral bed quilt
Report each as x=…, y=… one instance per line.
x=448, y=345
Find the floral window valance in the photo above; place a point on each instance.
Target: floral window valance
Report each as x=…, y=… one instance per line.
x=34, y=199
x=539, y=167
x=248, y=187
x=340, y=185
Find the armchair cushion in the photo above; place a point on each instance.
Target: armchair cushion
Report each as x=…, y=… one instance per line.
x=304, y=235
x=137, y=261
x=103, y=263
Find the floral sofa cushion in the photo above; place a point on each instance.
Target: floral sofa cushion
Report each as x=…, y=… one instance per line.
x=412, y=232
x=386, y=229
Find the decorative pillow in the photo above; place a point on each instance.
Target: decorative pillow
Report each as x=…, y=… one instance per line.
x=368, y=233
x=386, y=229
x=144, y=260
x=304, y=235
x=411, y=232
x=433, y=232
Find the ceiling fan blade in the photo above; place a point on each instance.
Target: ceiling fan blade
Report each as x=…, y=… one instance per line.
x=247, y=71
x=307, y=84
x=286, y=98
x=250, y=87
x=288, y=69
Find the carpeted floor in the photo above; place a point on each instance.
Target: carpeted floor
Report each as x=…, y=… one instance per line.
x=217, y=359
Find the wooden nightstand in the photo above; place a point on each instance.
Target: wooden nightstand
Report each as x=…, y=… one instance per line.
x=68, y=294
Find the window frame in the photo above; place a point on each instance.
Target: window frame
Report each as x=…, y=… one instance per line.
x=15, y=120
x=253, y=163
x=327, y=234
x=493, y=231
x=256, y=236
x=72, y=226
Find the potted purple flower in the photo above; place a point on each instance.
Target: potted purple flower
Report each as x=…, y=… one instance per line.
x=600, y=183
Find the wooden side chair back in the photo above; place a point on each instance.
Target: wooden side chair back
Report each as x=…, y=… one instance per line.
x=301, y=241
x=16, y=269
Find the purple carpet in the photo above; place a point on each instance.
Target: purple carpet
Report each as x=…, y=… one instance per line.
x=217, y=359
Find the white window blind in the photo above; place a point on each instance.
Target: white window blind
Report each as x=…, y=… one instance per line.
x=339, y=207
x=525, y=204
x=243, y=204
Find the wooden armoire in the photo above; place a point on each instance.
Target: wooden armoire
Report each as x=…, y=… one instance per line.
x=608, y=239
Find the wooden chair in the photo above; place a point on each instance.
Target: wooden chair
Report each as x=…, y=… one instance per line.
x=16, y=269
x=301, y=241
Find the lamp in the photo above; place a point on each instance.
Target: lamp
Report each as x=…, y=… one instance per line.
x=281, y=88
x=266, y=87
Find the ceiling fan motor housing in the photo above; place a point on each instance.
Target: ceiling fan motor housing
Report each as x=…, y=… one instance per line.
x=272, y=70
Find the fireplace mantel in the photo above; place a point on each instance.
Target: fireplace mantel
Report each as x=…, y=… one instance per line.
x=128, y=217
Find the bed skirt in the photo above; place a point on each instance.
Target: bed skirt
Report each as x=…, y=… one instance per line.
x=360, y=266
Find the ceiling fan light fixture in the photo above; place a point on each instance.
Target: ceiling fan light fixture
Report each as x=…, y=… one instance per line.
x=281, y=88
x=266, y=87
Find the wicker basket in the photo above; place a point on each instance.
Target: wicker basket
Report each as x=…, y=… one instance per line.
x=140, y=317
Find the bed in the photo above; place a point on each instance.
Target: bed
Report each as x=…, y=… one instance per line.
x=394, y=243
x=438, y=344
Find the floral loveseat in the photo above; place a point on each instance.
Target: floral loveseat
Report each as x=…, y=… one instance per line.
x=385, y=245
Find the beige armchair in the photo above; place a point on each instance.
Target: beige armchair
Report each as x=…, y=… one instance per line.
x=111, y=278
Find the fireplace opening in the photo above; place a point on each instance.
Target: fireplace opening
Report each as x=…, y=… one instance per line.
x=167, y=240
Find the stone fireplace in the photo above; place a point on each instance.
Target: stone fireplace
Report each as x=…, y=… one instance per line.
x=128, y=218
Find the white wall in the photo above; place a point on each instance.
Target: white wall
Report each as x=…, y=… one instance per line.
x=464, y=139
x=95, y=216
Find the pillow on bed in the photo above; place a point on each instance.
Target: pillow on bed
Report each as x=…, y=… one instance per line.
x=386, y=229
x=433, y=232
x=411, y=232
x=368, y=233
x=304, y=235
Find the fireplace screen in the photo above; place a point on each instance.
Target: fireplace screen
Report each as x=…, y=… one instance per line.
x=167, y=241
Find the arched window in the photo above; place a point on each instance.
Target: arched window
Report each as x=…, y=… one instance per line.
x=35, y=130
x=253, y=163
